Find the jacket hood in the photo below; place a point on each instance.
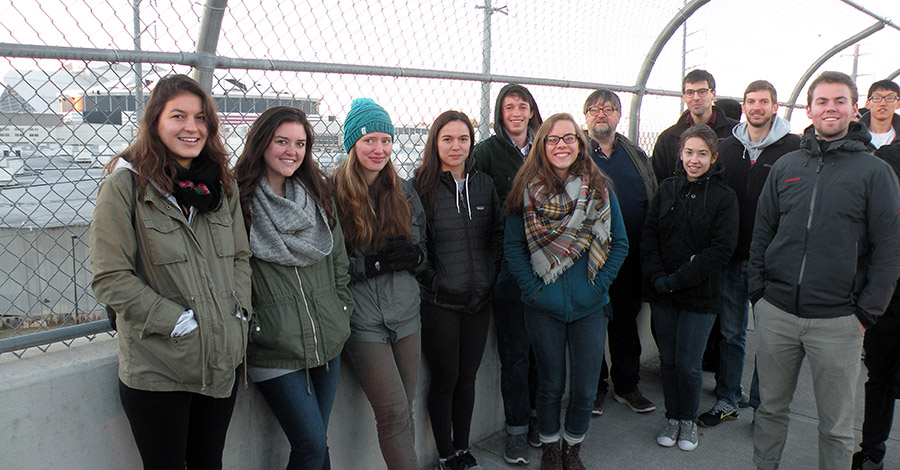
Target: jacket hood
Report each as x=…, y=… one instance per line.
x=533, y=124
x=895, y=122
x=857, y=139
x=780, y=128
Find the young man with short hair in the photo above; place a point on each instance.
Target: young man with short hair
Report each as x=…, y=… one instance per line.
x=882, y=120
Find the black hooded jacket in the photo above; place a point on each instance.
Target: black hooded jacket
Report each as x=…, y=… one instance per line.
x=665, y=151
x=689, y=235
x=465, y=238
x=497, y=156
x=825, y=239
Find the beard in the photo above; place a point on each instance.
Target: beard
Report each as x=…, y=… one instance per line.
x=762, y=124
x=601, y=135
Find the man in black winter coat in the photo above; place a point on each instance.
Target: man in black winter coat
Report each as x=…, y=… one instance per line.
x=824, y=260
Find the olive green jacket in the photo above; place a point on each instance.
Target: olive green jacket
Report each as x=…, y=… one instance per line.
x=301, y=315
x=152, y=271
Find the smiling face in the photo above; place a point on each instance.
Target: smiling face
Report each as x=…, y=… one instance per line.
x=182, y=127
x=373, y=151
x=453, y=146
x=831, y=110
x=516, y=114
x=696, y=158
x=601, y=126
x=759, y=108
x=285, y=153
x=696, y=104
x=882, y=110
x=562, y=154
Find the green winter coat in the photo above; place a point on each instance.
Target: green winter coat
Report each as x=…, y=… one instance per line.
x=202, y=265
x=301, y=314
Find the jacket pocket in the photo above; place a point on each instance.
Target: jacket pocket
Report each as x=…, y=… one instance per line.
x=220, y=226
x=164, y=244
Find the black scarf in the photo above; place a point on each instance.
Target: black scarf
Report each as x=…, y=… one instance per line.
x=198, y=186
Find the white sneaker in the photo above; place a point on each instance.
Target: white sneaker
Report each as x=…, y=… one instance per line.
x=669, y=434
x=687, y=435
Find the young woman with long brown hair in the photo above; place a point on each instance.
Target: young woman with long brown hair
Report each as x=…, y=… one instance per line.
x=465, y=234
x=565, y=241
x=301, y=302
x=169, y=253
x=384, y=227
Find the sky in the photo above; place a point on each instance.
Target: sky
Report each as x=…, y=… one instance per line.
x=580, y=40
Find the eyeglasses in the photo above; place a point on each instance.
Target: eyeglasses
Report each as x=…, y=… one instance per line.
x=554, y=139
x=888, y=99
x=607, y=111
x=702, y=92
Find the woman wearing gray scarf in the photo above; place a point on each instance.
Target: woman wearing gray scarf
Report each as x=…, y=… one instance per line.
x=300, y=276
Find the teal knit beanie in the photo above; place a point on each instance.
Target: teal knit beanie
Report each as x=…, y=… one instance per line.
x=365, y=116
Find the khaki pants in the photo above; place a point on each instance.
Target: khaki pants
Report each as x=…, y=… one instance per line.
x=833, y=346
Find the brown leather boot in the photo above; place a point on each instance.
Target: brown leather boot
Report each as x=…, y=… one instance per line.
x=570, y=458
x=552, y=457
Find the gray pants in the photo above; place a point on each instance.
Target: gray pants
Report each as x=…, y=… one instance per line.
x=833, y=346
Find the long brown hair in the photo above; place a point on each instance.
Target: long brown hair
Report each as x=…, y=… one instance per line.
x=250, y=168
x=367, y=226
x=538, y=166
x=150, y=157
x=428, y=173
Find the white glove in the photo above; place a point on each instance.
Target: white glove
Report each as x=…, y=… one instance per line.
x=185, y=324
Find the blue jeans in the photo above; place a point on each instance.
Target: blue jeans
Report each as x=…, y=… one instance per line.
x=733, y=325
x=514, y=349
x=681, y=336
x=585, y=339
x=302, y=408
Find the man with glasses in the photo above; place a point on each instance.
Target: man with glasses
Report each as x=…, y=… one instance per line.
x=629, y=168
x=882, y=120
x=699, y=94
x=747, y=155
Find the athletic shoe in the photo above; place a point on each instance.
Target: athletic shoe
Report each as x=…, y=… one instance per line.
x=864, y=462
x=570, y=458
x=598, y=405
x=534, y=436
x=450, y=463
x=468, y=461
x=721, y=411
x=744, y=402
x=551, y=458
x=636, y=401
x=669, y=434
x=687, y=435
x=516, y=449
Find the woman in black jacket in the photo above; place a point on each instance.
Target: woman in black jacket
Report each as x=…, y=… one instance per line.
x=689, y=236
x=464, y=241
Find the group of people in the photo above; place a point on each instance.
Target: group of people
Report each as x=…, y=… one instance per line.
x=274, y=272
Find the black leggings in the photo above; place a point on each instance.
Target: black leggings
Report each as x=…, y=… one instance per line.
x=174, y=429
x=453, y=344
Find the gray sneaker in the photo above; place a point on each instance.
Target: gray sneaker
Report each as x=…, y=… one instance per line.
x=669, y=434
x=687, y=436
x=516, y=449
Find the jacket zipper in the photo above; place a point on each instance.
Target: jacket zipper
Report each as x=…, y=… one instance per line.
x=311, y=322
x=809, y=219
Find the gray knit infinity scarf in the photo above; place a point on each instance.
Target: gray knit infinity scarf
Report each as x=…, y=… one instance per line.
x=289, y=230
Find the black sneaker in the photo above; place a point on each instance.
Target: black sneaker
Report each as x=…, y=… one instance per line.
x=722, y=411
x=864, y=462
x=534, y=436
x=451, y=463
x=468, y=461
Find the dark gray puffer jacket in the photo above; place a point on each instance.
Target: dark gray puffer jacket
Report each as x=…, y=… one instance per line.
x=825, y=240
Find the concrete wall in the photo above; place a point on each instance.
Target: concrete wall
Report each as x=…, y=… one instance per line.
x=61, y=410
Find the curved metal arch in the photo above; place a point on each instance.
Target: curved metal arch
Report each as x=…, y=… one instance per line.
x=208, y=40
x=894, y=74
x=641, y=83
x=821, y=60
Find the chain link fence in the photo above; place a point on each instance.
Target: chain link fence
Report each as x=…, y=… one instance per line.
x=64, y=112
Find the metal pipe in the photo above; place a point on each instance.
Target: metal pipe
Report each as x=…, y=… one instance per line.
x=485, y=119
x=878, y=17
x=41, y=338
x=208, y=40
x=138, y=72
x=821, y=60
x=894, y=74
x=640, y=87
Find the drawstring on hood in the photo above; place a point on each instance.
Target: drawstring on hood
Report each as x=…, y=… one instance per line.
x=780, y=128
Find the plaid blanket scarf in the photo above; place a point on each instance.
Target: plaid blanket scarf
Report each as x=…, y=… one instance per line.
x=560, y=227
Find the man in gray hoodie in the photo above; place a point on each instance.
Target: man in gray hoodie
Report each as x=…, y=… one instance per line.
x=756, y=144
